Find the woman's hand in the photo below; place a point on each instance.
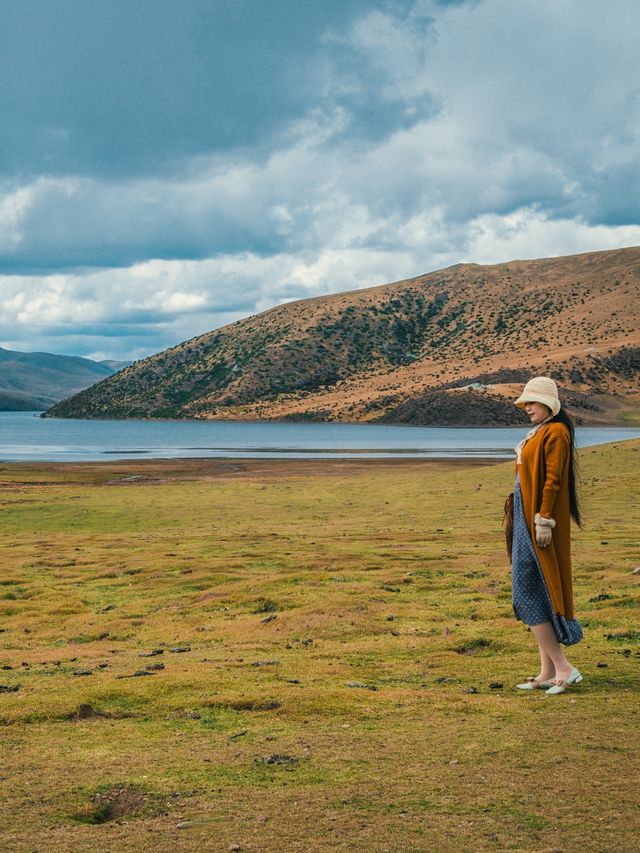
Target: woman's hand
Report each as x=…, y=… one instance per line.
x=544, y=526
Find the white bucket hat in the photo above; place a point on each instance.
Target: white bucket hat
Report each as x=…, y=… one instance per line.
x=543, y=390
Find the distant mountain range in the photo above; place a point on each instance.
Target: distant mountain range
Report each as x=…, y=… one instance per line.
x=33, y=381
x=449, y=347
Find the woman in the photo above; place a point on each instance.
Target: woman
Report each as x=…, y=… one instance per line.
x=544, y=500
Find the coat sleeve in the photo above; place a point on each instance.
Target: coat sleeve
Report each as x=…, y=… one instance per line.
x=556, y=457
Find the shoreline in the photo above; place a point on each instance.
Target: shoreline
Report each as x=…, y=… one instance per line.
x=130, y=472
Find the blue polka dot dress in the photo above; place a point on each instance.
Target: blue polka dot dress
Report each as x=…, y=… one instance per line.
x=530, y=598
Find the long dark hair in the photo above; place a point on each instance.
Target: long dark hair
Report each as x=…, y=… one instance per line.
x=563, y=417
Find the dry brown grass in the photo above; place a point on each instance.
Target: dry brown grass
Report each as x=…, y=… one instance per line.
x=346, y=722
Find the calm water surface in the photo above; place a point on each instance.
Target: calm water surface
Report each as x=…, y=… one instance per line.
x=24, y=436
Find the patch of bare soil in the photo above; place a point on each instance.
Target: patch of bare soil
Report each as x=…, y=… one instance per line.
x=88, y=712
x=116, y=803
x=158, y=471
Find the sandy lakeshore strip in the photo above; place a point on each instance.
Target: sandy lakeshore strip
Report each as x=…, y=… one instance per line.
x=164, y=470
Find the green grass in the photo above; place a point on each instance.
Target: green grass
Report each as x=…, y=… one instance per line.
x=390, y=590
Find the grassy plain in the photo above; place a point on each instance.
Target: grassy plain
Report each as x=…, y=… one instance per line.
x=331, y=636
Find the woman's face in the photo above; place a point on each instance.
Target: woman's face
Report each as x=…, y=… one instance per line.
x=537, y=412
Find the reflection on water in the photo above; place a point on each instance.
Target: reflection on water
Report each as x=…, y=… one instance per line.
x=24, y=436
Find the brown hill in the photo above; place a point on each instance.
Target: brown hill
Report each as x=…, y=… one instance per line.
x=451, y=346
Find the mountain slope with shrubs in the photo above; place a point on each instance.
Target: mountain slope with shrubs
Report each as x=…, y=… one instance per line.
x=449, y=347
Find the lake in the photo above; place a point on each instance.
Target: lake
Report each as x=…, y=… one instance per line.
x=24, y=436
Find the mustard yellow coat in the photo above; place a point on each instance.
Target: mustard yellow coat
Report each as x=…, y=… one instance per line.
x=544, y=483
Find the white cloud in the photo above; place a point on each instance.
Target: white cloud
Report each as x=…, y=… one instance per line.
x=527, y=234
x=504, y=130
x=132, y=312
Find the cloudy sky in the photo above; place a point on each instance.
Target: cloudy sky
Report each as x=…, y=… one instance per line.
x=169, y=166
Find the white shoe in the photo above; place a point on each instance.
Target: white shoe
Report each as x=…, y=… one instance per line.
x=534, y=684
x=560, y=686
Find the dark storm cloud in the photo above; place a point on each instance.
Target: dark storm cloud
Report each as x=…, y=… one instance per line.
x=129, y=88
